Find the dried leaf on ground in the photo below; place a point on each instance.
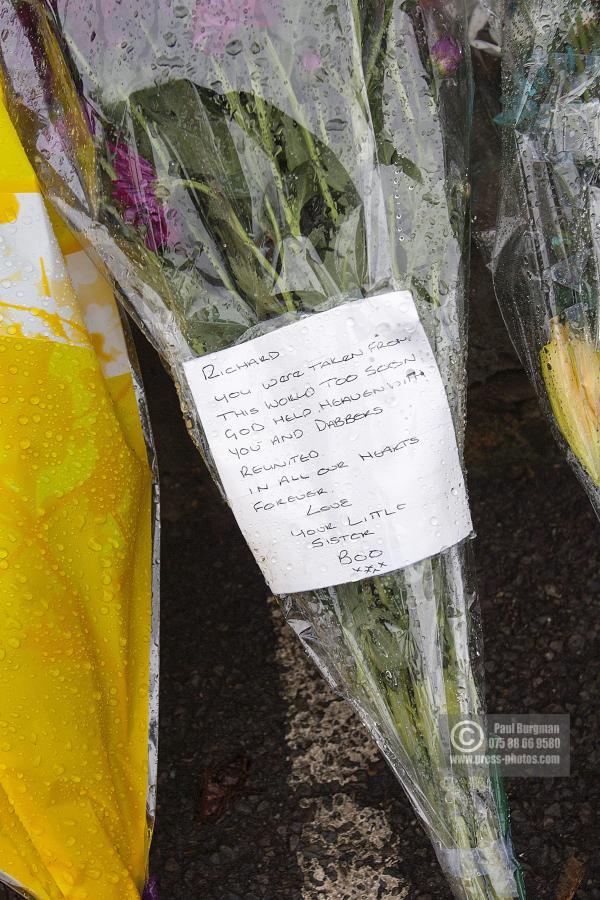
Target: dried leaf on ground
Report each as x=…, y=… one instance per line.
x=570, y=878
x=220, y=789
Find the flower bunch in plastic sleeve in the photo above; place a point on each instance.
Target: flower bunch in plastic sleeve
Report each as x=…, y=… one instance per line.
x=547, y=249
x=237, y=165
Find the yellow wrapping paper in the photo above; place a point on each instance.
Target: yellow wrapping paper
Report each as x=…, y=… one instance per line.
x=75, y=565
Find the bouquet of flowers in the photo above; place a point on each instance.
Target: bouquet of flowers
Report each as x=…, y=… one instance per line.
x=547, y=249
x=279, y=190
x=78, y=566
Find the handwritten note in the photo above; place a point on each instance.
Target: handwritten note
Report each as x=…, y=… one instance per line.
x=335, y=444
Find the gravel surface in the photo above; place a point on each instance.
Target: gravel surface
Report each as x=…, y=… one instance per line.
x=268, y=787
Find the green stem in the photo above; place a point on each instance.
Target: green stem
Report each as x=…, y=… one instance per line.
x=245, y=122
x=306, y=135
x=377, y=42
x=274, y=222
x=292, y=218
x=240, y=232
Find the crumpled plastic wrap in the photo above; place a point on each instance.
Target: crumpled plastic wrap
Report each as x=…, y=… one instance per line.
x=546, y=251
x=78, y=565
x=238, y=165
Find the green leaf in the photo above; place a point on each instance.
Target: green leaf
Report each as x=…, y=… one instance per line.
x=302, y=187
x=336, y=175
x=409, y=168
x=296, y=152
x=350, y=250
x=189, y=126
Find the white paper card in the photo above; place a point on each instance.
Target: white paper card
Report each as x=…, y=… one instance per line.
x=335, y=444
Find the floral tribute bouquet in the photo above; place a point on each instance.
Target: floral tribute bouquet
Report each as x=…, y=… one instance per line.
x=279, y=190
x=547, y=248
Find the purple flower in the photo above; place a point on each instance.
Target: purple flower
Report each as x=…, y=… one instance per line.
x=216, y=20
x=446, y=55
x=310, y=61
x=134, y=189
x=151, y=889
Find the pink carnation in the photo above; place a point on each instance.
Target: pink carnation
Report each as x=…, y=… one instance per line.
x=446, y=55
x=215, y=21
x=310, y=61
x=134, y=189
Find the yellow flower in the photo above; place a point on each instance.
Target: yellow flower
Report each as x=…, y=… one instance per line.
x=571, y=371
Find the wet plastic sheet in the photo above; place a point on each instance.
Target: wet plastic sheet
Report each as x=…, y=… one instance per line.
x=547, y=243
x=238, y=166
x=78, y=566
